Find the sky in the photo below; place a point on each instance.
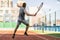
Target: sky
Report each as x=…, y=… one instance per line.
x=49, y=6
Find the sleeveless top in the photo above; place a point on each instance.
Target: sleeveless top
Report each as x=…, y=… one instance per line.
x=21, y=13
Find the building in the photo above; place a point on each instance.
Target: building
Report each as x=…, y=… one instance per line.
x=6, y=3
x=7, y=11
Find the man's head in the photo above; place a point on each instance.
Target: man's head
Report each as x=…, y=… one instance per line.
x=24, y=5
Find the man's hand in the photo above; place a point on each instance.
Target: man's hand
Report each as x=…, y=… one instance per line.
x=35, y=14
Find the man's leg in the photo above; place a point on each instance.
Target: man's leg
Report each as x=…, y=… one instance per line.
x=27, y=26
x=16, y=29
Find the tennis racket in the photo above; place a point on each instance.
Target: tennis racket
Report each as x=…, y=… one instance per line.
x=41, y=5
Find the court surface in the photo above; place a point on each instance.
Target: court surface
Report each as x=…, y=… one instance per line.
x=7, y=35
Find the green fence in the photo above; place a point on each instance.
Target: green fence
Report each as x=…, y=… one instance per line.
x=10, y=25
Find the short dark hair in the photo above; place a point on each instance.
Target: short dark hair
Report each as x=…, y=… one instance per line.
x=24, y=5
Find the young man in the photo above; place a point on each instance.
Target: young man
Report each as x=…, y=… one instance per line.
x=21, y=18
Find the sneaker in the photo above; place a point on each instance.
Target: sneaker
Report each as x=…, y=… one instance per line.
x=13, y=36
x=25, y=34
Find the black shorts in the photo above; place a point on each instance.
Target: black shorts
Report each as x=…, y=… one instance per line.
x=23, y=21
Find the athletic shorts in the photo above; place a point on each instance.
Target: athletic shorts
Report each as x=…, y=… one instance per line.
x=22, y=21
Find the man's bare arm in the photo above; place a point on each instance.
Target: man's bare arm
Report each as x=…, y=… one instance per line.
x=28, y=13
x=19, y=4
x=36, y=12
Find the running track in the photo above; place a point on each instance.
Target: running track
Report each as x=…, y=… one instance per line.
x=7, y=35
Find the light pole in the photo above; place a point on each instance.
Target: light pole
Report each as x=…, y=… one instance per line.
x=55, y=19
x=45, y=20
x=49, y=19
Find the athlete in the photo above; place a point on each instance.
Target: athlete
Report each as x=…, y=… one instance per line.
x=21, y=18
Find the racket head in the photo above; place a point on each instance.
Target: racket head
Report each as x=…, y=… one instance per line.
x=40, y=6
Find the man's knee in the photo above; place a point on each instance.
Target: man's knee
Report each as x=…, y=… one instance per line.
x=27, y=24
